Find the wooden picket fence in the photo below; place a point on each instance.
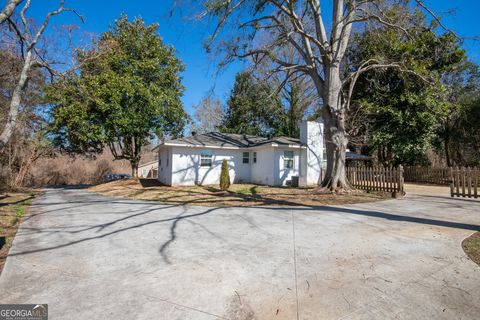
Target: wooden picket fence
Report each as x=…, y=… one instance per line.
x=377, y=178
x=439, y=176
x=465, y=182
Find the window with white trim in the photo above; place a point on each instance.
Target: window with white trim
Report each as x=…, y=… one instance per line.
x=206, y=158
x=254, y=157
x=288, y=159
x=246, y=157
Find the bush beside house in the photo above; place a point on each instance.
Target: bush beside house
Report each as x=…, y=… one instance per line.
x=224, y=176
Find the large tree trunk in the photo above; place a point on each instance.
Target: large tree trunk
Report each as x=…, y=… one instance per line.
x=336, y=138
x=134, y=165
x=15, y=102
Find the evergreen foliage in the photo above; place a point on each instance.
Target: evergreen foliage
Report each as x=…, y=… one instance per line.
x=252, y=108
x=396, y=113
x=224, y=176
x=127, y=90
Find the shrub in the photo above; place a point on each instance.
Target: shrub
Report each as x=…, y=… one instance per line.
x=224, y=176
x=65, y=170
x=103, y=167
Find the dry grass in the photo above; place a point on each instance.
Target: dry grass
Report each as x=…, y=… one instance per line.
x=426, y=189
x=237, y=195
x=471, y=246
x=65, y=170
x=13, y=208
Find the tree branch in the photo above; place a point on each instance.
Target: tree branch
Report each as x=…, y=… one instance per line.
x=8, y=10
x=19, y=36
x=436, y=18
x=318, y=20
x=366, y=66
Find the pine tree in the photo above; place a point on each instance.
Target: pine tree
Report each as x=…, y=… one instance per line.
x=252, y=108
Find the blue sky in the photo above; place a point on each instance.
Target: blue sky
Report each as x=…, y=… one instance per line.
x=187, y=36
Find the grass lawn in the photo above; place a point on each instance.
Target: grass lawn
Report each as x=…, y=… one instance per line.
x=471, y=245
x=237, y=195
x=13, y=207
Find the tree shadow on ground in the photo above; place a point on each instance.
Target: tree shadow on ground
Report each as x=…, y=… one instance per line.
x=144, y=208
x=3, y=204
x=147, y=183
x=473, y=200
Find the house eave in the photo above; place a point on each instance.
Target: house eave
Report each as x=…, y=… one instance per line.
x=292, y=146
x=274, y=145
x=147, y=163
x=169, y=144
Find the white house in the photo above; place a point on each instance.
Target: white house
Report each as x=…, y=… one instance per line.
x=148, y=169
x=197, y=159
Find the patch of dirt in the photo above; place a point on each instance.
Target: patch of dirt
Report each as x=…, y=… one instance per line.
x=237, y=195
x=426, y=189
x=14, y=207
x=471, y=246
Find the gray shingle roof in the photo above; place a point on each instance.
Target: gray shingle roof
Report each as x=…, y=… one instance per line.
x=218, y=139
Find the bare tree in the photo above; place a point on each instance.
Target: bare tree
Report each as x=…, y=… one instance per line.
x=298, y=95
x=8, y=9
x=208, y=115
x=298, y=98
x=240, y=30
x=31, y=58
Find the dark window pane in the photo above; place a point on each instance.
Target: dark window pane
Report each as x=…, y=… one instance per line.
x=246, y=157
x=206, y=158
x=288, y=159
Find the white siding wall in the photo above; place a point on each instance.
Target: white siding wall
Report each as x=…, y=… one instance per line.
x=145, y=169
x=165, y=165
x=186, y=169
x=284, y=174
x=311, y=134
x=181, y=166
x=262, y=171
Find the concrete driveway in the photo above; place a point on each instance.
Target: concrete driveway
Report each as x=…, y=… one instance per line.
x=94, y=257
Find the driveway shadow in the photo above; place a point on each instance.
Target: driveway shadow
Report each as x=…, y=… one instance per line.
x=92, y=199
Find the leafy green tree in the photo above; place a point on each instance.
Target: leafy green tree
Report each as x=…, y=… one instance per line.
x=224, y=176
x=395, y=112
x=252, y=108
x=127, y=89
x=458, y=135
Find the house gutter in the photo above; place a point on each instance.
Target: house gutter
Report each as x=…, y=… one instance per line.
x=274, y=145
